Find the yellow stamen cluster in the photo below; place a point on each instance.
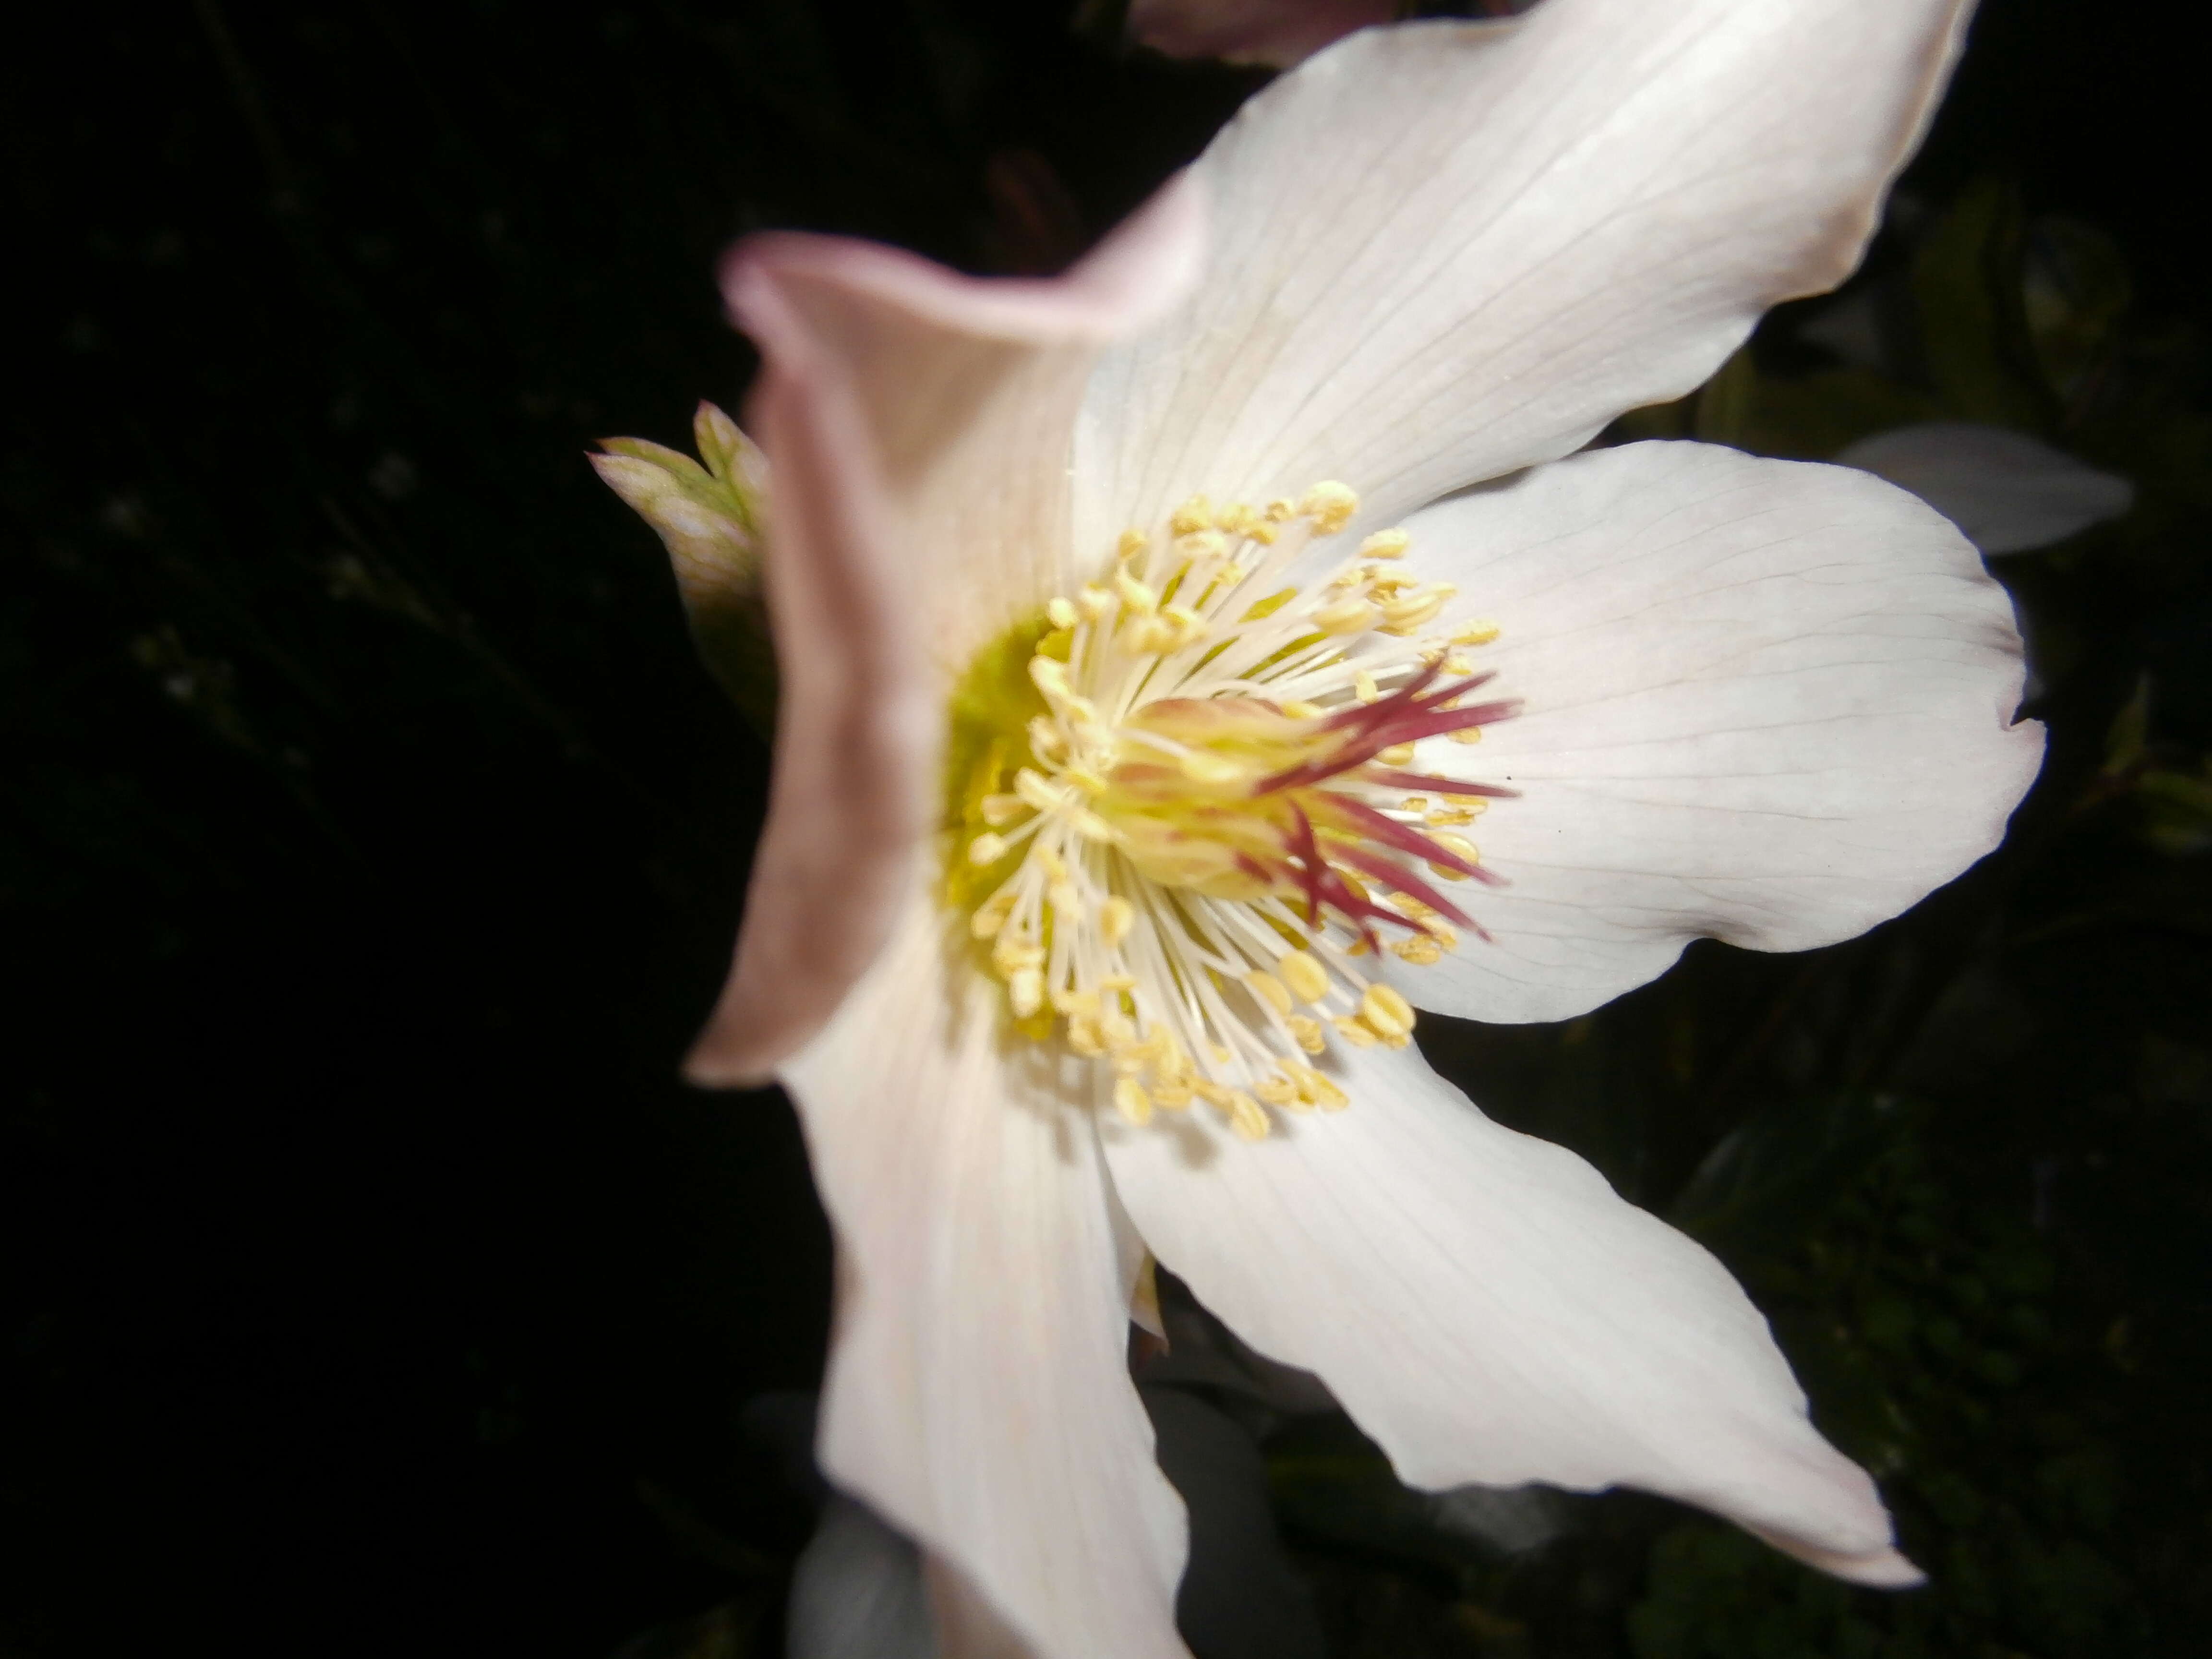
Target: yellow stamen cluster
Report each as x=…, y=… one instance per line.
x=1131, y=877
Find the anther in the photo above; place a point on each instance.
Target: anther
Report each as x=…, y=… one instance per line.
x=1385, y=545
x=1349, y=616
x=1135, y=595
x=1353, y=1032
x=1270, y=990
x=1245, y=1116
x=1321, y=1089
x=1032, y=787
x=1116, y=916
x=1330, y=505
x=1194, y=515
x=1403, y=616
x=1186, y=623
x=1049, y=676
x=1459, y=844
x=1303, y=973
x=1132, y=1103
x=1387, y=1014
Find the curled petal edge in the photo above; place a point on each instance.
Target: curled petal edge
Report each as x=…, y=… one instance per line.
x=856, y=339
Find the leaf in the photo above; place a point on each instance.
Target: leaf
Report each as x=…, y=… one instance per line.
x=1777, y=1175
x=1967, y=281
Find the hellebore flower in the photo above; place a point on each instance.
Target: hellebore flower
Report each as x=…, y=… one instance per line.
x=1132, y=641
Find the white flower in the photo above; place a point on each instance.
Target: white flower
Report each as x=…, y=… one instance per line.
x=1091, y=796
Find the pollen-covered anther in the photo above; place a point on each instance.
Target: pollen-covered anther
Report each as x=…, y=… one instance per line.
x=1194, y=515
x=1386, y=1013
x=1403, y=616
x=1352, y=615
x=1457, y=844
x=1270, y=990
x=1302, y=972
x=1330, y=506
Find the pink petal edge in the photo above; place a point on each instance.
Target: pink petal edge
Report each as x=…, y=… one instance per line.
x=866, y=349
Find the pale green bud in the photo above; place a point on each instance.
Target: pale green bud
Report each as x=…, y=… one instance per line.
x=712, y=519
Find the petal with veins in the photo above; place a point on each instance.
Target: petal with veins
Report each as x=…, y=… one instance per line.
x=1767, y=701
x=919, y=425
x=978, y=1394
x=1488, y=1310
x=2008, y=492
x=1450, y=249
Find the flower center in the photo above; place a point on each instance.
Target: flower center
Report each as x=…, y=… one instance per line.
x=1183, y=806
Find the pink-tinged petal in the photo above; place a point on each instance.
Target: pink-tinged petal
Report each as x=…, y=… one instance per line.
x=1489, y=1310
x=918, y=425
x=2008, y=492
x=1763, y=701
x=1280, y=33
x=978, y=1393
x=1448, y=250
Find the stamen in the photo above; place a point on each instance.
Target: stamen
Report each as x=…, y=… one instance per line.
x=1181, y=807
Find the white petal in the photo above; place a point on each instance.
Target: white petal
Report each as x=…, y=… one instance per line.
x=2007, y=491
x=918, y=423
x=1765, y=701
x=1486, y=1308
x=1447, y=250
x=978, y=1393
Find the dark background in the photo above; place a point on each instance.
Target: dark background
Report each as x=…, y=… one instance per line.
x=372, y=843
